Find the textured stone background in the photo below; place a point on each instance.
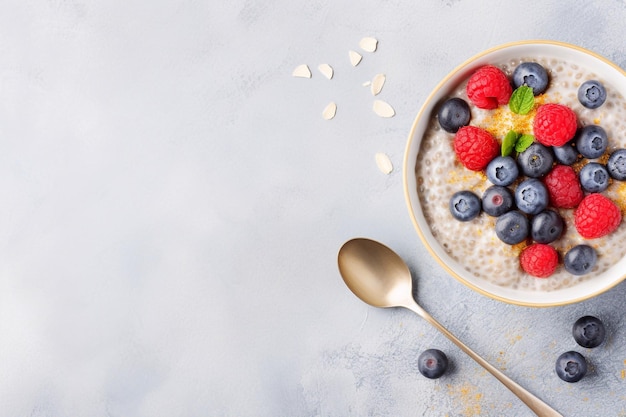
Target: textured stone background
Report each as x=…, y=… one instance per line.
x=173, y=203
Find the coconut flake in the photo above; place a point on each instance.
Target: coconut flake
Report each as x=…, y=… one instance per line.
x=368, y=44
x=383, y=109
x=302, y=71
x=377, y=84
x=384, y=163
x=329, y=111
x=355, y=58
x=326, y=70
x=367, y=83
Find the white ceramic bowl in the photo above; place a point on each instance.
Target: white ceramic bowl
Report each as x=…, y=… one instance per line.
x=606, y=70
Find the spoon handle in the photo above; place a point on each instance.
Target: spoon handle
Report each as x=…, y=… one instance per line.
x=540, y=408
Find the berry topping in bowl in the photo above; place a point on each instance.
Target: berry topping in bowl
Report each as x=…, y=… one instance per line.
x=536, y=161
x=453, y=114
x=475, y=147
x=497, y=200
x=526, y=180
x=616, y=165
x=464, y=205
x=592, y=141
x=546, y=227
x=502, y=170
x=531, y=196
x=580, y=259
x=539, y=260
x=594, y=177
x=566, y=154
x=563, y=187
x=543, y=147
x=554, y=125
x=531, y=74
x=489, y=88
x=596, y=216
x=591, y=94
x=512, y=227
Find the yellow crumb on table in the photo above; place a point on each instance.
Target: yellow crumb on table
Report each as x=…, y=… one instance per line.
x=467, y=398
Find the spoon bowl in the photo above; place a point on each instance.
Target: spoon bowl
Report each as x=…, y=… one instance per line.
x=374, y=273
x=379, y=277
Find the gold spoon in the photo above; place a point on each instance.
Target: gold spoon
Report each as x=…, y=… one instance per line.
x=378, y=276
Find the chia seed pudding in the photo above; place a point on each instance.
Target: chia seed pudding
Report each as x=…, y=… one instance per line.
x=474, y=243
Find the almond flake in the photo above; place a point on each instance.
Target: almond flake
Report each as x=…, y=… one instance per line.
x=329, y=111
x=384, y=163
x=355, y=58
x=326, y=70
x=383, y=109
x=302, y=71
x=377, y=84
x=368, y=44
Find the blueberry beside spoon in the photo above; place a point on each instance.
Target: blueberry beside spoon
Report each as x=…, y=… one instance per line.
x=380, y=278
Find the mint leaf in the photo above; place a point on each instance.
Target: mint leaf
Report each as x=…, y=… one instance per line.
x=508, y=143
x=524, y=142
x=522, y=100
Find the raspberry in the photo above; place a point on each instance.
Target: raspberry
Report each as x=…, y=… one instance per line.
x=596, y=216
x=489, y=87
x=539, y=260
x=563, y=187
x=554, y=124
x=475, y=147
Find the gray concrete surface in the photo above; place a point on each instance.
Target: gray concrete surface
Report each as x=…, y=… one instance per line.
x=173, y=203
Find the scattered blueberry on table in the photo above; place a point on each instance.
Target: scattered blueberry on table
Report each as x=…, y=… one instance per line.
x=589, y=332
x=432, y=363
x=571, y=366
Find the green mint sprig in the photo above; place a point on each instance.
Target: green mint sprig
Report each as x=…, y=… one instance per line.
x=522, y=100
x=508, y=143
x=524, y=142
x=517, y=142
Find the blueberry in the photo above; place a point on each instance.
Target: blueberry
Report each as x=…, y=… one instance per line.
x=571, y=366
x=531, y=196
x=546, y=227
x=532, y=75
x=512, y=227
x=616, y=165
x=536, y=161
x=591, y=94
x=594, y=177
x=566, y=154
x=432, y=363
x=588, y=332
x=591, y=141
x=502, y=170
x=453, y=114
x=497, y=200
x=465, y=205
x=580, y=259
